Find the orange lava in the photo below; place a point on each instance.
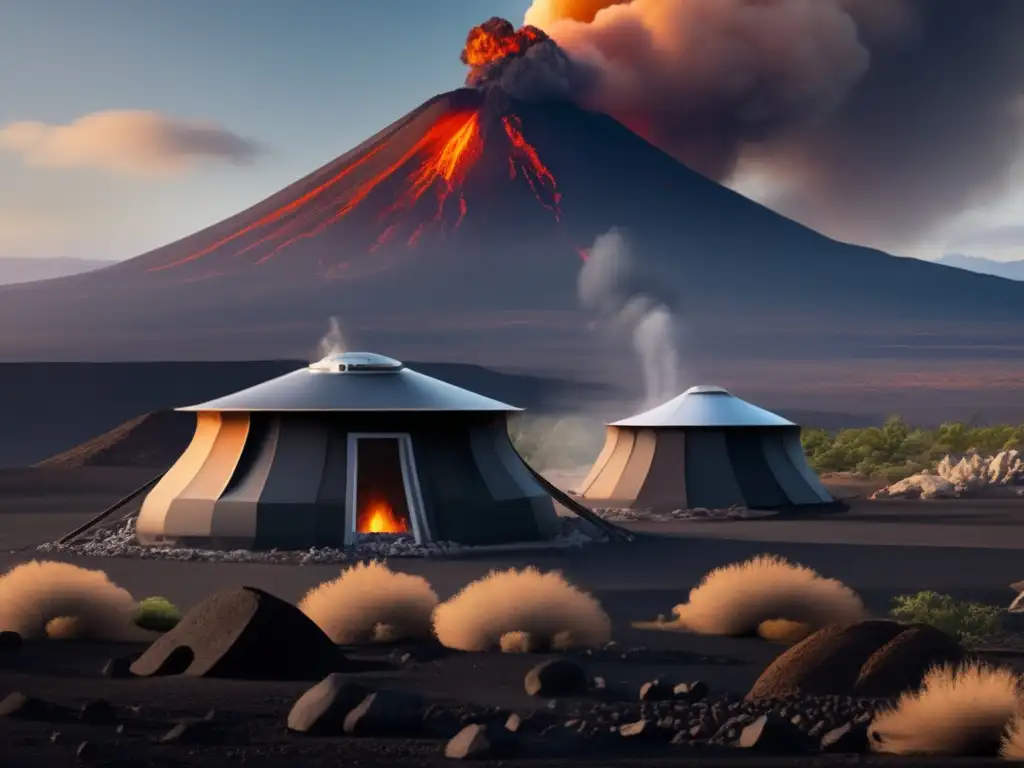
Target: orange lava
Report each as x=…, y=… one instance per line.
x=537, y=175
x=436, y=165
x=378, y=517
x=495, y=39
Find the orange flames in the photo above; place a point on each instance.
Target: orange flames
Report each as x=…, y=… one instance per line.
x=378, y=517
x=495, y=39
x=438, y=162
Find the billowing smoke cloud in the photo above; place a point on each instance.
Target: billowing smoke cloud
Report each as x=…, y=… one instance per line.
x=875, y=119
x=523, y=63
x=608, y=284
x=332, y=342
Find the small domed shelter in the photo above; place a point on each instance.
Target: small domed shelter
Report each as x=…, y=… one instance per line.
x=356, y=443
x=704, y=448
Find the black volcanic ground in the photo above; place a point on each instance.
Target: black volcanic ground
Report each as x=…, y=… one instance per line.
x=501, y=288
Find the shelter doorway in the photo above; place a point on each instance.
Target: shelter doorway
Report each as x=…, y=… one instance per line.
x=383, y=491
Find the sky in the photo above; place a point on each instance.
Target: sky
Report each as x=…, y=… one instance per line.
x=126, y=124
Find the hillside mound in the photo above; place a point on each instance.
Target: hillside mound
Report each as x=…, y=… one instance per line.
x=152, y=440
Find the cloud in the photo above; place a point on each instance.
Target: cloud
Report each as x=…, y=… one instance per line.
x=1010, y=236
x=130, y=142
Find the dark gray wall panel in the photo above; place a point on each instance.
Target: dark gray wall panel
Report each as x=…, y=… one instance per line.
x=710, y=481
x=756, y=480
x=789, y=477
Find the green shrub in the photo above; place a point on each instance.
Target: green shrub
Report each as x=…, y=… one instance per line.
x=896, y=450
x=969, y=622
x=157, y=614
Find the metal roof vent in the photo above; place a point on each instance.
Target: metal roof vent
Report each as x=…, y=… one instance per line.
x=357, y=362
x=706, y=389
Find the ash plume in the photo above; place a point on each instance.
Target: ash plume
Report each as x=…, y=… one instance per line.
x=610, y=284
x=875, y=120
x=525, y=63
x=332, y=342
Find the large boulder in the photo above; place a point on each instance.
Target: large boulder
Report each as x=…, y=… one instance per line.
x=921, y=486
x=867, y=658
x=901, y=664
x=242, y=633
x=825, y=663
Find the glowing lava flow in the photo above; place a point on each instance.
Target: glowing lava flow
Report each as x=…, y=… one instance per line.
x=436, y=163
x=533, y=169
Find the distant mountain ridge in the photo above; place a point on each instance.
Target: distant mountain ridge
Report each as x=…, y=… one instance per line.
x=1011, y=270
x=16, y=269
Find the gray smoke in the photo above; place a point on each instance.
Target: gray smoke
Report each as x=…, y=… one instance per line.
x=880, y=119
x=609, y=283
x=332, y=342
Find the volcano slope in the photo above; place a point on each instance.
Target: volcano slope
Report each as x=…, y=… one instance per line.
x=459, y=231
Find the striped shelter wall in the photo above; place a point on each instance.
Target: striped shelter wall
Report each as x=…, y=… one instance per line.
x=678, y=468
x=266, y=480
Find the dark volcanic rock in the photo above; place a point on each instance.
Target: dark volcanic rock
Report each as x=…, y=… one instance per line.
x=243, y=633
x=774, y=735
x=442, y=723
x=556, y=678
x=691, y=692
x=9, y=641
x=827, y=662
x=120, y=666
x=387, y=713
x=901, y=664
x=18, y=706
x=98, y=712
x=657, y=690
x=646, y=730
x=851, y=738
x=323, y=708
x=481, y=742
x=202, y=731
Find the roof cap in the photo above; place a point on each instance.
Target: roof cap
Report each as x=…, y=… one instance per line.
x=705, y=405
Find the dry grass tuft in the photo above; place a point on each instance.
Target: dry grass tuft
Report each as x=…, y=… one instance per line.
x=42, y=599
x=521, y=611
x=1012, y=747
x=370, y=603
x=961, y=710
x=736, y=599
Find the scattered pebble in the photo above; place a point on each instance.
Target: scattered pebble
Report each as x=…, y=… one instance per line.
x=119, y=540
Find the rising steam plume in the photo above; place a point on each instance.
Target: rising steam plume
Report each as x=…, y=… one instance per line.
x=332, y=342
x=608, y=284
x=877, y=119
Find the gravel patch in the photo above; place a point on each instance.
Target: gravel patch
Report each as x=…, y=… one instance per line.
x=621, y=515
x=119, y=540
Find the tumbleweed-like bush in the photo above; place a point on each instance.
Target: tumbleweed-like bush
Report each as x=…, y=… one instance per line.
x=958, y=711
x=521, y=611
x=370, y=603
x=42, y=599
x=736, y=599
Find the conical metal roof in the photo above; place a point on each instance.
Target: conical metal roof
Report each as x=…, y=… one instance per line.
x=705, y=406
x=354, y=381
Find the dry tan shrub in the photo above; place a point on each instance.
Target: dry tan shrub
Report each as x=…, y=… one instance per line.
x=1012, y=747
x=962, y=710
x=42, y=599
x=520, y=610
x=370, y=603
x=736, y=599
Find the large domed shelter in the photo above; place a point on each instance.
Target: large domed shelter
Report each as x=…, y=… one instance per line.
x=354, y=444
x=704, y=448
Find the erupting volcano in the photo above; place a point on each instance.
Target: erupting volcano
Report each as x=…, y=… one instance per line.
x=458, y=232
x=411, y=185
